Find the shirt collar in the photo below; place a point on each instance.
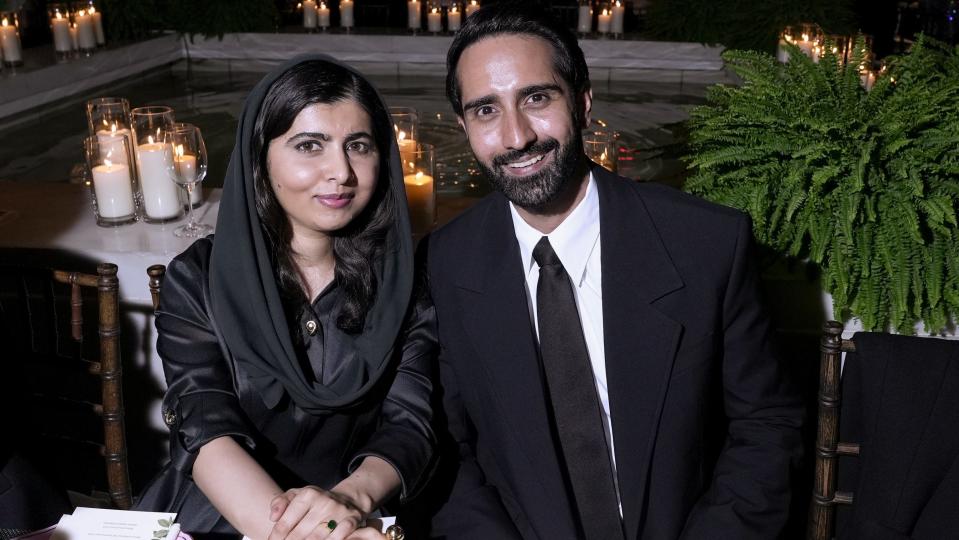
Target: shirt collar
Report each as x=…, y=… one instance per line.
x=574, y=239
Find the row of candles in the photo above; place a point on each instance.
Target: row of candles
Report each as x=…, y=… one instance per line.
x=811, y=40
x=317, y=15
x=80, y=30
x=129, y=161
x=609, y=20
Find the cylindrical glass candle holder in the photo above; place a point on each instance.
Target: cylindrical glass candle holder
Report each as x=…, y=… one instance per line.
x=97, y=16
x=809, y=40
x=600, y=147
x=418, y=177
x=414, y=15
x=472, y=7
x=161, y=197
x=454, y=17
x=584, y=17
x=347, y=20
x=406, y=129
x=109, y=118
x=112, y=184
x=59, y=15
x=10, y=39
x=86, y=31
x=434, y=17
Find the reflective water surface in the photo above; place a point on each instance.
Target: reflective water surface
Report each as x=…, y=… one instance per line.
x=47, y=147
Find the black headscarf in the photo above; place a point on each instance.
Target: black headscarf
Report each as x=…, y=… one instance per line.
x=246, y=300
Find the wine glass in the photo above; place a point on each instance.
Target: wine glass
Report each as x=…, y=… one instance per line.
x=186, y=165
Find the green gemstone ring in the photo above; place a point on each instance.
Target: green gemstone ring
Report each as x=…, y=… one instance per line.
x=331, y=524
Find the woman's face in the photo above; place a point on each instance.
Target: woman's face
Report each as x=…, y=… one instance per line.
x=324, y=169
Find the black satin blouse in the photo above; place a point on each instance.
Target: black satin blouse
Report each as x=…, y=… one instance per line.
x=209, y=396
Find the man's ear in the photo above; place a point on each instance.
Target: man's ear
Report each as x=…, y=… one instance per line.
x=585, y=103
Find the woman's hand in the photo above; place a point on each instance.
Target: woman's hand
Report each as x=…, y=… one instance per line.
x=308, y=512
x=367, y=533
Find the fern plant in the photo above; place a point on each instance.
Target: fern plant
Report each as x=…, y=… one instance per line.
x=865, y=184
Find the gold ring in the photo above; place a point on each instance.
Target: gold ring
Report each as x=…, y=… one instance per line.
x=395, y=532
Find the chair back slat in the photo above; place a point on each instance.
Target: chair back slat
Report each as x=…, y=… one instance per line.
x=822, y=508
x=156, y=273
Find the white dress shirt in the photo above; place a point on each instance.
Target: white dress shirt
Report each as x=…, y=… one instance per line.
x=576, y=243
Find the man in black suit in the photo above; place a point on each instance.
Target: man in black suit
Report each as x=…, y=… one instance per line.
x=605, y=365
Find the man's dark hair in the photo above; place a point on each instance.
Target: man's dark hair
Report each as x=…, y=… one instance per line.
x=518, y=17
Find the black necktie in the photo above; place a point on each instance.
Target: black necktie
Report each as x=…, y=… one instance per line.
x=572, y=391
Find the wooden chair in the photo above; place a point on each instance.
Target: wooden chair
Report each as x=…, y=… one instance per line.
x=68, y=378
x=156, y=273
x=825, y=498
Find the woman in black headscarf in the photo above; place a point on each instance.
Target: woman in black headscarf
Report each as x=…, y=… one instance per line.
x=291, y=349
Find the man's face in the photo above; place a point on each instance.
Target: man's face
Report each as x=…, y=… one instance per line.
x=520, y=117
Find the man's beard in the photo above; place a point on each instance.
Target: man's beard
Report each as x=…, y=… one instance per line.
x=536, y=191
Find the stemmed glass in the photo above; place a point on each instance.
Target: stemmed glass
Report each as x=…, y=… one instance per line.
x=186, y=166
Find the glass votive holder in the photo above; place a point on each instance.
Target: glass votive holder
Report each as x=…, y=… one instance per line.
x=405, y=128
x=59, y=15
x=454, y=17
x=10, y=39
x=94, y=11
x=418, y=178
x=161, y=196
x=112, y=184
x=600, y=147
x=86, y=32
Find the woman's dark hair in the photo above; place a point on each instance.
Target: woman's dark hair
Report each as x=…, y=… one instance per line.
x=518, y=17
x=358, y=247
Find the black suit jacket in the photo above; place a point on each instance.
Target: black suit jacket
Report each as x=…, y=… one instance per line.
x=704, y=426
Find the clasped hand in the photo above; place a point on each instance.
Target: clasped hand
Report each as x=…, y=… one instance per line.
x=307, y=513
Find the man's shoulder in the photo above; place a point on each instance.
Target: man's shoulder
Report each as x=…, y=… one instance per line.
x=666, y=203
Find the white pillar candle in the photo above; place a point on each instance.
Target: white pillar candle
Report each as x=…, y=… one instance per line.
x=584, y=23
x=454, y=19
x=114, y=191
x=160, y=197
x=74, y=40
x=603, y=22
x=407, y=148
x=421, y=201
x=867, y=78
x=186, y=165
x=346, y=13
x=619, y=11
x=98, y=25
x=61, y=34
x=309, y=14
x=806, y=45
x=86, y=36
x=782, y=51
x=434, y=22
x=472, y=7
x=323, y=15
x=10, y=43
x=413, y=12
x=111, y=144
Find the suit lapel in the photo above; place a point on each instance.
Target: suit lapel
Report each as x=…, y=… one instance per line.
x=497, y=318
x=640, y=341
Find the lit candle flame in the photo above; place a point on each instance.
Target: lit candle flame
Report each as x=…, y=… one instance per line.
x=178, y=151
x=618, y=4
x=473, y=3
x=92, y=10
x=805, y=37
x=434, y=10
x=107, y=162
x=401, y=135
x=82, y=13
x=113, y=129
x=605, y=12
x=150, y=139
x=59, y=16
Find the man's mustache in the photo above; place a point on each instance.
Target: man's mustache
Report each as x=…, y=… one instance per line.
x=541, y=147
